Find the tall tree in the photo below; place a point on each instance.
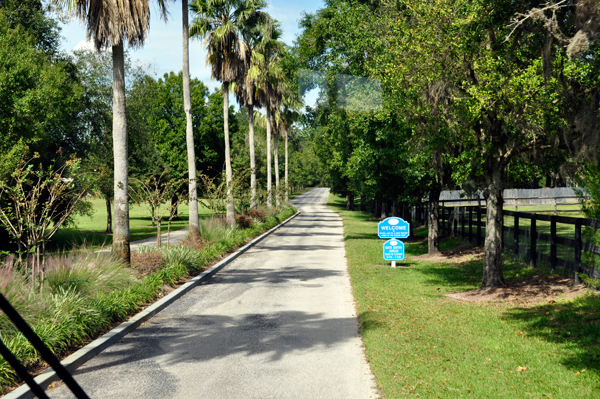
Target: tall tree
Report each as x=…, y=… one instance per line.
x=271, y=73
x=110, y=23
x=220, y=22
x=194, y=226
x=246, y=91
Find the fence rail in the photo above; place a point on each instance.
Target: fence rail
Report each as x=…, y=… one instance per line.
x=538, y=242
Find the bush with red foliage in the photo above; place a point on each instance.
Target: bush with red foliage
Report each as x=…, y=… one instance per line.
x=243, y=221
x=196, y=244
x=147, y=261
x=258, y=214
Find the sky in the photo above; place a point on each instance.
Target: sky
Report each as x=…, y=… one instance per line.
x=163, y=48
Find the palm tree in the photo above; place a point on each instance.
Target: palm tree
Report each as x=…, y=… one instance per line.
x=194, y=228
x=289, y=114
x=246, y=91
x=110, y=23
x=267, y=83
x=220, y=22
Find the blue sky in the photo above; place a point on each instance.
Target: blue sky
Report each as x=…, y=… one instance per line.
x=163, y=48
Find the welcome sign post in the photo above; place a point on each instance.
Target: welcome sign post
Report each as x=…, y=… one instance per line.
x=393, y=228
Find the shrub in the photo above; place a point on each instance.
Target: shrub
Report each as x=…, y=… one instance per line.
x=243, y=221
x=258, y=214
x=86, y=272
x=196, y=244
x=146, y=261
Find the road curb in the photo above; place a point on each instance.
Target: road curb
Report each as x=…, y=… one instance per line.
x=73, y=361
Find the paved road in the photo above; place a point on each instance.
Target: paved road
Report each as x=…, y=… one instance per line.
x=278, y=322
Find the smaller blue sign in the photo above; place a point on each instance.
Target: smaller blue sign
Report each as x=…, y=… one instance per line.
x=393, y=250
x=393, y=228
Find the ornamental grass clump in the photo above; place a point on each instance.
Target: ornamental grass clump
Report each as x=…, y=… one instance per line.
x=86, y=272
x=215, y=229
x=18, y=292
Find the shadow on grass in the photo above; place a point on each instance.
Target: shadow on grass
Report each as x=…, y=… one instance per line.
x=464, y=275
x=369, y=321
x=574, y=324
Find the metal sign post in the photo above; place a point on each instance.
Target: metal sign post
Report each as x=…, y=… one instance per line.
x=394, y=228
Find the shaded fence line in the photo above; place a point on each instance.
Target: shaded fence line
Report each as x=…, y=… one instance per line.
x=530, y=240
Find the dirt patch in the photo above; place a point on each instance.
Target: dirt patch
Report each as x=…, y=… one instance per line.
x=525, y=293
x=462, y=253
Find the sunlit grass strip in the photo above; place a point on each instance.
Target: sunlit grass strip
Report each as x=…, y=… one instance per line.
x=70, y=317
x=421, y=344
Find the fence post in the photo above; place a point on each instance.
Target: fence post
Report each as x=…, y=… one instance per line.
x=470, y=224
x=577, y=250
x=479, y=224
x=516, y=234
x=532, y=240
x=553, y=242
x=462, y=222
x=455, y=222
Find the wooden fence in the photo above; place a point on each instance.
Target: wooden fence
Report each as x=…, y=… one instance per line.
x=538, y=239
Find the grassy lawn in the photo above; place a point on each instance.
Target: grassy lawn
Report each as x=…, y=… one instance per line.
x=91, y=229
x=420, y=343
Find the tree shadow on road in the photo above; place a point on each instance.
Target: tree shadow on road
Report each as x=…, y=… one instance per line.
x=200, y=338
x=279, y=275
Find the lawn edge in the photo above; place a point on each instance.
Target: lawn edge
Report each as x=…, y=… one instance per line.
x=78, y=358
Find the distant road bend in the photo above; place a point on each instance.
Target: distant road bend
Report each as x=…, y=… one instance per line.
x=278, y=322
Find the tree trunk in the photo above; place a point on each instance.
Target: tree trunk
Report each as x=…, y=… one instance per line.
x=120, y=151
x=108, y=215
x=174, y=213
x=228, y=171
x=252, y=157
x=276, y=159
x=158, y=234
x=287, y=194
x=383, y=209
x=363, y=203
x=349, y=200
x=492, y=267
x=269, y=185
x=194, y=229
x=394, y=208
x=433, y=237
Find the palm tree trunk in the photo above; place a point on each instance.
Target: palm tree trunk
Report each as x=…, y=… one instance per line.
x=276, y=158
x=121, y=174
x=287, y=194
x=228, y=171
x=252, y=157
x=194, y=230
x=269, y=188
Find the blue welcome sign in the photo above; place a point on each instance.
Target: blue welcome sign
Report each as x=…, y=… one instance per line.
x=393, y=250
x=393, y=228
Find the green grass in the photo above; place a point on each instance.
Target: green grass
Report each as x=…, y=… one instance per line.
x=421, y=344
x=91, y=229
